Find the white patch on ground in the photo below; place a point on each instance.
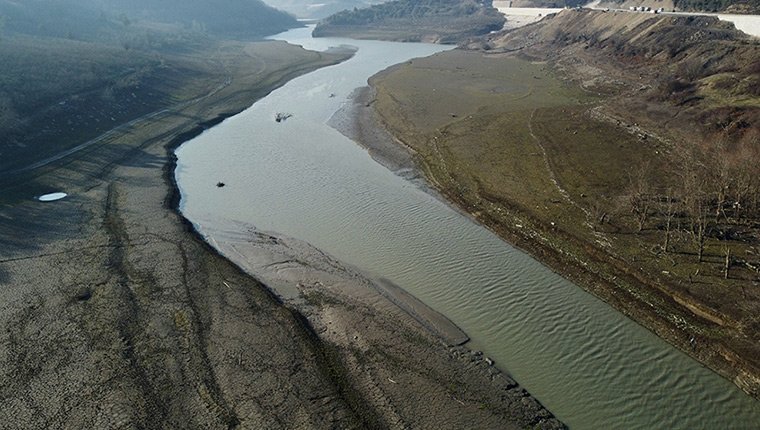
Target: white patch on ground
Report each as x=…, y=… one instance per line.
x=749, y=24
x=51, y=197
x=521, y=16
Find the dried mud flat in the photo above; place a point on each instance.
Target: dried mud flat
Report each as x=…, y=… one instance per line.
x=116, y=315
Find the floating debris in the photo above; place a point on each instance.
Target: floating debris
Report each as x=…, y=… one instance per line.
x=332, y=95
x=282, y=116
x=220, y=184
x=51, y=197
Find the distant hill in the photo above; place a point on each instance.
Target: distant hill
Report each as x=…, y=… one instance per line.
x=79, y=20
x=318, y=9
x=95, y=19
x=550, y=3
x=71, y=69
x=443, y=21
x=734, y=6
x=729, y=6
x=229, y=17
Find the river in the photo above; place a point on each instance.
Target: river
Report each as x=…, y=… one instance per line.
x=588, y=364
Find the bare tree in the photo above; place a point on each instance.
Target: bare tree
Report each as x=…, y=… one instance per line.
x=727, y=263
x=694, y=183
x=700, y=226
x=748, y=175
x=639, y=195
x=734, y=175
x=669, y=212
x=744, y=182
x=720, y=169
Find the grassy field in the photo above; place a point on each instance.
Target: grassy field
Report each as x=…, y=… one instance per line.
x=536, y=159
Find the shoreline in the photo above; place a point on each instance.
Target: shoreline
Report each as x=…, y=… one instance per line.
x=719, y=359
x=183, y=335
x=358, y=122
x=326, y=292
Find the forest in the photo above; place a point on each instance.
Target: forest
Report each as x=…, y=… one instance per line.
x=410, y=9
x=444, y=21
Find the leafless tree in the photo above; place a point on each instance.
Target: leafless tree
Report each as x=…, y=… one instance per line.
x=700, y=226
x=749, y=173
x=720, y=176
x=694, y=186
x=727, y=263
x=640, y=195
x=669, y=212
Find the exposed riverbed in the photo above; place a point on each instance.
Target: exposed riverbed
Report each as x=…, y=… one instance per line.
x=591, y=366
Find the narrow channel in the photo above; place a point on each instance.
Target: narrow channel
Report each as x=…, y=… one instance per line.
x=590, y=365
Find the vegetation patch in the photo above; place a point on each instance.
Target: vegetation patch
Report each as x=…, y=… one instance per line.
x=443, y=21
x=664, y=228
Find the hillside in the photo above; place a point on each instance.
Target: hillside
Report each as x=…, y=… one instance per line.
x=676, y=205
x=548, y=3
x=726, y=6
x=318, y=9
x=73, y=69
x=621, y=149
x=702, y=68
x=441, y=21
x=96, y=19
x=244, y=18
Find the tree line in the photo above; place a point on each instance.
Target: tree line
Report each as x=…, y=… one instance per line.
x=409, y=9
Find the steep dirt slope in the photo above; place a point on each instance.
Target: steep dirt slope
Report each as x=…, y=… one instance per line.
x=703, y=69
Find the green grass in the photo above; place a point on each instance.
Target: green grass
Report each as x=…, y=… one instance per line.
x=728, y=89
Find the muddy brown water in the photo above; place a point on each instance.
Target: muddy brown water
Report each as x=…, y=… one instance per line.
x=590, y=365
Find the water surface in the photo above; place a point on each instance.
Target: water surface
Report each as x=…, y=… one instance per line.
x=591, y=366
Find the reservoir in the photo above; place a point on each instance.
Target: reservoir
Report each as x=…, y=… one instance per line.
x=588, y=364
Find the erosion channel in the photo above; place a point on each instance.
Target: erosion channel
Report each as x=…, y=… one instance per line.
x=279, y=168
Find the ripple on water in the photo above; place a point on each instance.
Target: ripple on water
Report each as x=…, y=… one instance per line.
x=588, y=364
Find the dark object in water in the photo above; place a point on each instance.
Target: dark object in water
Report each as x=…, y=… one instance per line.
x=281, y=116
x=220, y=184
